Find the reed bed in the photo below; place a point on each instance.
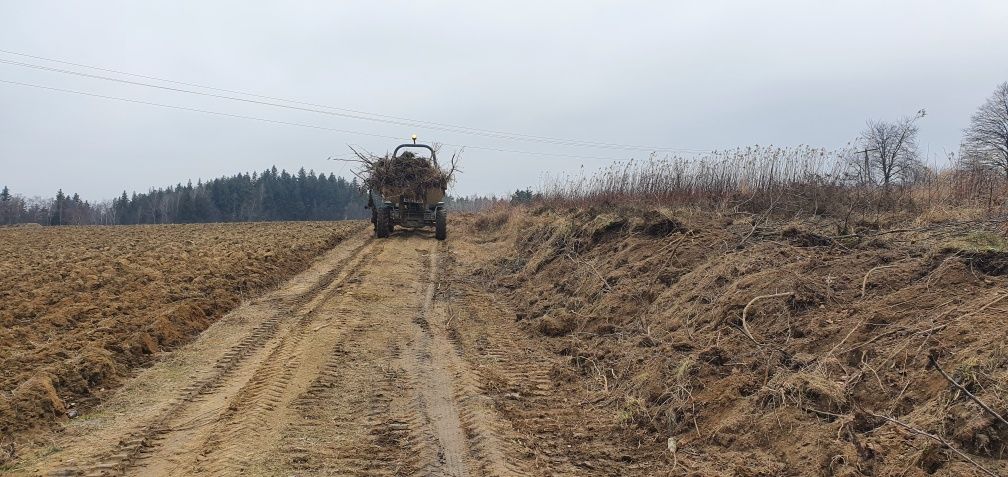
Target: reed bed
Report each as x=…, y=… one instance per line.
x=797, y=180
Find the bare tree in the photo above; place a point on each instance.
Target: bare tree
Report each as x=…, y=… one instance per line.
x=888, y=151
x=985, y=141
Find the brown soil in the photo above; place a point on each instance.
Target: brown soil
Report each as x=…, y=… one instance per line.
x=354, y=367
x=82, y=306
x=580, y=343
x=645, y=311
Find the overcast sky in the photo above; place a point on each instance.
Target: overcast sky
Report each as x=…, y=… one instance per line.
x=684, y=75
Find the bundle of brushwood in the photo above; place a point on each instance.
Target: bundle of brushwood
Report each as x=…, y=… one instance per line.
x=407, y=174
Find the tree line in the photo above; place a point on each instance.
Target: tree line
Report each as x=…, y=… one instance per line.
x=61, y=209
x=245, y=197
x=267, y=196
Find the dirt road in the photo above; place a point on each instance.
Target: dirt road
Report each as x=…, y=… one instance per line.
x=351, y=368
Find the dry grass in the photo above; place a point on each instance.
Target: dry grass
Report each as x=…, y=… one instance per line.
x=671, y=335
x=798, y=181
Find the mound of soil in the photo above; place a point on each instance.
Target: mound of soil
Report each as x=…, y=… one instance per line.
x=770, y=350
x=81, y=306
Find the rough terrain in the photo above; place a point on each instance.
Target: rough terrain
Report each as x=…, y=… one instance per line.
x=741, y=344
x=612, y=342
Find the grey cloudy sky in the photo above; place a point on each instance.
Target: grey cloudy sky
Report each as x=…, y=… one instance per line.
x=689, y=75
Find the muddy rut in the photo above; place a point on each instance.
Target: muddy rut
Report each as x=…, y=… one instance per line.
x=354, y=367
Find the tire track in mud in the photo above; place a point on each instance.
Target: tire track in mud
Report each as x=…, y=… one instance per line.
x=515, y=374
x=139, y=444
x=542, y=426
x=492, y=442
x=469, y=438
x=434, y=397
x=369, y=433
x=360, y=416
x=251, y=417
x=522, y=382
x=131, y=445
x=394, y=398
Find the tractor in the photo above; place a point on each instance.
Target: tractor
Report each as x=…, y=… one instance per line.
x=408, y=208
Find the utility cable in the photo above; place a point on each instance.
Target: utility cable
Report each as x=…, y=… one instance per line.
x=349, y=113
x=290, y=123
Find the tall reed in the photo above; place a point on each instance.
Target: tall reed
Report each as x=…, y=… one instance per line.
x=794, y=180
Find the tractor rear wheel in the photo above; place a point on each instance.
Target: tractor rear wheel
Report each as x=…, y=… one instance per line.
x=441, y=224
x=383, y=223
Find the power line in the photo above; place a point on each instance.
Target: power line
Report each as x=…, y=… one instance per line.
x=290, y=123
x=197, y=110
x=351, y=116
x=169, y=88
x=349, y=113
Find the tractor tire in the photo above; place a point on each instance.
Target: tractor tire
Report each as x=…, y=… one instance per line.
x=383, y=223
x=441, y=224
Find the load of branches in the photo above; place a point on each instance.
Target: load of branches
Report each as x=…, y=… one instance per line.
x=407, y=174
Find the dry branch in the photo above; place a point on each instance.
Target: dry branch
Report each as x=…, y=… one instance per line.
x=864, y=281
x=844, y=340
x=406, y=174
x=745, y=312
x=937, y=438
x=966, y=391
x=986, y=306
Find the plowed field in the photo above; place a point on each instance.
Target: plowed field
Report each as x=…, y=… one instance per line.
x=82, y=306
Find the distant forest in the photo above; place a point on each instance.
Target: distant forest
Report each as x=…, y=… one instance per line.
x=267, y=196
